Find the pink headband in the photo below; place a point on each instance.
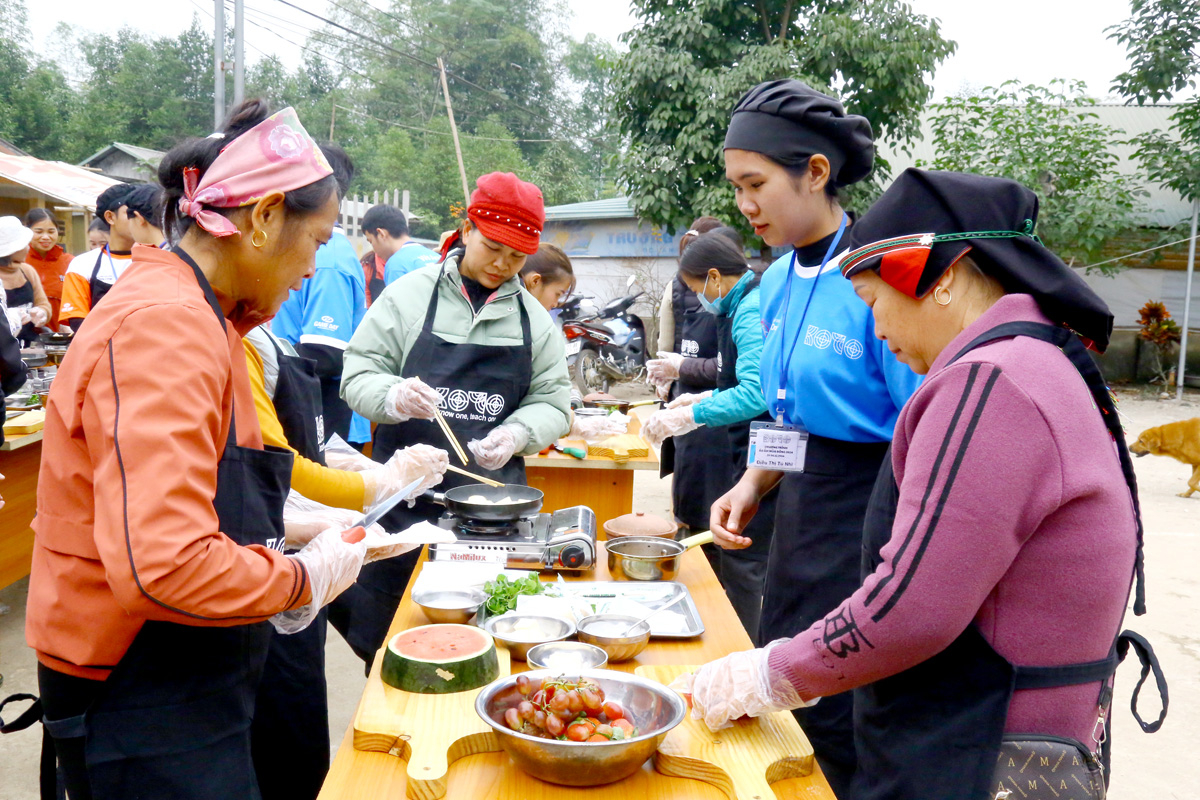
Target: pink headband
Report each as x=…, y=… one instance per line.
x=276, y=155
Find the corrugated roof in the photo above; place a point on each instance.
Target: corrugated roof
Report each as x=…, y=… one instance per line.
x=1164, y=208
x=613, y=208
x=66, y=183
x=146, y=154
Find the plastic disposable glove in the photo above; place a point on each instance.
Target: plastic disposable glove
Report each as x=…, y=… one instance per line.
x=595, y=427
x=411, y=398
x=340, y=455
x=689, y=399
x=494, y=450
x=741, y=684
x=663, y=391
x=38, y=316
x=418, y=461
x=1, y=498
x=669, y=422
x=665, y=368
x=332, y=564
x=382, y=545
x=304, y=519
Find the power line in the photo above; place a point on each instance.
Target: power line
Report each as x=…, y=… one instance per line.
x=1138, y=253
x=446, y=133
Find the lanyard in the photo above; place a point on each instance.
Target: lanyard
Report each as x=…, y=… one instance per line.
x=786, y=360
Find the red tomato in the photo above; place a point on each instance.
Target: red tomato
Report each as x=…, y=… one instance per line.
x=595, y=737
x=578, y=732
x=624, y=725
x=613, y=711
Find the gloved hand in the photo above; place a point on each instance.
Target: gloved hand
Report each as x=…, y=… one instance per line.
x=38, y=316
x=494, y=450
x=340, y=455
x=411, y=398
x=1, y=498
x=689, y=399
x=598, y=427
x=669, y=422
x=304, y=519
x=663, y=391
x=741, y=684
x=418, y=461
x=332, y=565
x=665, y=368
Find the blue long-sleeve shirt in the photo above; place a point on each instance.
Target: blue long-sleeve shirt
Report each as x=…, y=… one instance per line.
x=744, y=401
x=842, y=382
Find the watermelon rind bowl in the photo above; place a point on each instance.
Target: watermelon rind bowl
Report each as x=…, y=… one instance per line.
x=411, y=673
x=653, y=708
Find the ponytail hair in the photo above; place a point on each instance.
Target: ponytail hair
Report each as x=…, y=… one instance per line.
x=720, y=249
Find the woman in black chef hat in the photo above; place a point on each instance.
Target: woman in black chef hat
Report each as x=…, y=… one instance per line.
x=832, y=389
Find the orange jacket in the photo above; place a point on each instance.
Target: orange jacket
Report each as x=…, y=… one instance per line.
x=52, y=269
x=125, y=528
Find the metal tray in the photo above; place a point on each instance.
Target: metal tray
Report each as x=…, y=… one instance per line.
x=651, y=594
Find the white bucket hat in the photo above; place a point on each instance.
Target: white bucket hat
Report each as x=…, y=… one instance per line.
x=13, y=236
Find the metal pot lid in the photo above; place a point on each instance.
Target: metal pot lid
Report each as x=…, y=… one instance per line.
x=639, y=523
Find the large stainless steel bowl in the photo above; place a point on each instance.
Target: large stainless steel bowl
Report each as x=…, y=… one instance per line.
x=520, y=632
x=651, y=707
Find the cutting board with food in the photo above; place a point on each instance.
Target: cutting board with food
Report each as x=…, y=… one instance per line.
x=620, y=448
x=430, y=722
x=742, y=761
x=25, y=424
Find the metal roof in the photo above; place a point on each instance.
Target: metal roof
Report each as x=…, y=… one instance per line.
x=1164, y=208
x=66, y=183
x=146, y=154
x=613, y=208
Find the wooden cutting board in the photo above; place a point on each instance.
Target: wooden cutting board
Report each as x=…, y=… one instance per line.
x=429, y=731
x=25, y=424
x=742, y=761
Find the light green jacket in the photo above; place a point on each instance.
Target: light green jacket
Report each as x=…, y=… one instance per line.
x=375, y=356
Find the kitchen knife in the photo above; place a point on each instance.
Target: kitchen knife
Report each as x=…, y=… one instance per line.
x=384, y=506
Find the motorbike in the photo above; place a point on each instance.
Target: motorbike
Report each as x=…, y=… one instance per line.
x=609, y=348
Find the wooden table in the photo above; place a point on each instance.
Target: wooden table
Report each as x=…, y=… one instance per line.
x=356, y=774
x=20, y=460
x=601, y=484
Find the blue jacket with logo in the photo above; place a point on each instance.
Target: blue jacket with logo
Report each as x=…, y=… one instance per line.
x=841, y=381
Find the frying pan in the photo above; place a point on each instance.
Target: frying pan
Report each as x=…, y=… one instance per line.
x=58, y=339
x=527, y=500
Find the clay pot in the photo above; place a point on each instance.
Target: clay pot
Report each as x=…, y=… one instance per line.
x=640, y=523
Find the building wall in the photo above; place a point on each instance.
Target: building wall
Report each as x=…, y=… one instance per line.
x=123, y=167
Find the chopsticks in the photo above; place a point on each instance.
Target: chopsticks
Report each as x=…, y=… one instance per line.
x=445, y=426
x=473, y=476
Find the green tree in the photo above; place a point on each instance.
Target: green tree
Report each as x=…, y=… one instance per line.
x=34, y=96
x=1162, y=39
x=690, y=60
x=1045, y=138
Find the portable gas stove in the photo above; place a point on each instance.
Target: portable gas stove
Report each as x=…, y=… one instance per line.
x=565, y=539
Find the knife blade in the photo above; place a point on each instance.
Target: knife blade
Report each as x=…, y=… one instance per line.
x=382, y=507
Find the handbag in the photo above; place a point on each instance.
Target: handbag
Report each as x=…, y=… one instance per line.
x=1034, y=767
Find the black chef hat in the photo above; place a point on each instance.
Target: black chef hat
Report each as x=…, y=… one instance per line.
x=112, y=198
x=926, y=221
x=788, y=121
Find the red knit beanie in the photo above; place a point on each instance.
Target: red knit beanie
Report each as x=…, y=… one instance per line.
x=508, y=210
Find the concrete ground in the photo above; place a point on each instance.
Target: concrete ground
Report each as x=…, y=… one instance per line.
x=1143, y=766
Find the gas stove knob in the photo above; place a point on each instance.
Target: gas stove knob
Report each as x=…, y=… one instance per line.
x=572, y=556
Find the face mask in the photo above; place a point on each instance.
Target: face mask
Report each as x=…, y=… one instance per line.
x=711, y=306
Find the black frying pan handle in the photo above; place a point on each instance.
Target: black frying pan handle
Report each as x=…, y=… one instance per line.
x=434, y=497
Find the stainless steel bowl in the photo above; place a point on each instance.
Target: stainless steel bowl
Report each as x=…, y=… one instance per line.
x=449, y=605
x=567, y=656
x=619, y=648
x=520, y=632
x=652, y=708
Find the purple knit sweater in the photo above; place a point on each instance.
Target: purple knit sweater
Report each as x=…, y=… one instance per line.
x=1034, y=545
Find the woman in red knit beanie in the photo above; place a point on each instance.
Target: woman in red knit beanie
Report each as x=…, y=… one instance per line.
x=465, y=339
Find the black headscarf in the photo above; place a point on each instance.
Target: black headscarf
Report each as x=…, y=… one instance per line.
x=926, y=221
x=788, y=121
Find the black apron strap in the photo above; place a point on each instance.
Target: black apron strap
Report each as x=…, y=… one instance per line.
x=1069, y=675
x=24, y=720
x=1145, y=654
x=1074, y=350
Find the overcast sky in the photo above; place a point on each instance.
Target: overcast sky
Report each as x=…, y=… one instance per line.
x=1031, y=40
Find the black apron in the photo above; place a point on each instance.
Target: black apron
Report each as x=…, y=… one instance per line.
x=697, y=458
x=173, y=719
x=290, y=736
x=813, y=566
x=98, y=288
x=935, y=729
x=482, y=385
x=22, y=296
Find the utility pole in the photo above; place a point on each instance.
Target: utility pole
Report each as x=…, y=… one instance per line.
x=239, y=54
x=218, y=63
x=462, y=170
x=332, y=119
x=1187, y=303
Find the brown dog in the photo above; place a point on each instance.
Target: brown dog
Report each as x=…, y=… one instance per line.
x=1180, y=441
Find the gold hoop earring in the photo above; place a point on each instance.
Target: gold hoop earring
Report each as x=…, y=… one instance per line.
x=937, y=299
x=254, y=238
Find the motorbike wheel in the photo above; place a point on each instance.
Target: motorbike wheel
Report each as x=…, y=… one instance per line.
x=588, y=375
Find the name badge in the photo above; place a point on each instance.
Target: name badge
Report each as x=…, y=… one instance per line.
x=777, y=447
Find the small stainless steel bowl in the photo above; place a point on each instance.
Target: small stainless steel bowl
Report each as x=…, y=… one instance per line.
x=449, y=605
x=619, y=648
x=520, y=632
x=651, y=707
x=567, y=656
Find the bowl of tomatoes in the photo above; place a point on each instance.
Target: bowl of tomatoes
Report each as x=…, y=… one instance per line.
x=586, y=728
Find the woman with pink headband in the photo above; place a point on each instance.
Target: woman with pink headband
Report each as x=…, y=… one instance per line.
x=158, y=566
